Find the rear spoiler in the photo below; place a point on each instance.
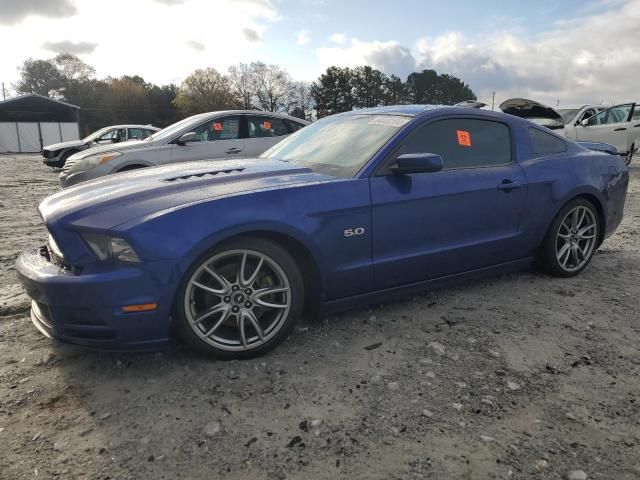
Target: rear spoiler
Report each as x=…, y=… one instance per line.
x=600, y=147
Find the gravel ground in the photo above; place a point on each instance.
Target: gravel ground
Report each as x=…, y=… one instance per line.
x=520, y=376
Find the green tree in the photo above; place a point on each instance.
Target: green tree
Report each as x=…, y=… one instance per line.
x=395, y=91
x=333, y=91
x=39, y=76
x=368, y=86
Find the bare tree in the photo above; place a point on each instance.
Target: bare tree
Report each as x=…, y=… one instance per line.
x=301, y=102
x=272, y=86
x=72, y=68
x=241, y=81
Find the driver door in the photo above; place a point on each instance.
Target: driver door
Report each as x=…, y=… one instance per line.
x=464, y=217
x=217, y=138
x=612, y=126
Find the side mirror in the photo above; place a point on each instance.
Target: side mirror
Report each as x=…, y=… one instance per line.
x=417, y=163
x=585, y=122
x=187, y=138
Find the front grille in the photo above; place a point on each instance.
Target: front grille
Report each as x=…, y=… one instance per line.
x=68, y=164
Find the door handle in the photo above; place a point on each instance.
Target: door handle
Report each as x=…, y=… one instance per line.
x=233, y=150
x=508, y=185
x=636, y=126
x=620, y=129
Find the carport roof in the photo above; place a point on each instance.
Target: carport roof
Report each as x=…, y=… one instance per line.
x=37, y=108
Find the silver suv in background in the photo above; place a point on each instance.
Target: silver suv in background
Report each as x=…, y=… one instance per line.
x=213, y=135
x=56, y=155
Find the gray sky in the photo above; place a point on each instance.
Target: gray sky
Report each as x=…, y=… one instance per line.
x=572, y=50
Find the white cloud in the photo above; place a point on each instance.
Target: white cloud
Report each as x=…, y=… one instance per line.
x=586, y=60
x=339, y=38
x=250, y=34
x=303, y=37
x=390, y=57
x=65, y=46
x=169, y=59
x=14, y=11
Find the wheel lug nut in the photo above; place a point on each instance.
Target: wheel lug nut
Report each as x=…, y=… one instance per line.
x=248, y=304
x=235, y=309
x=248, y=291
x=235, y=288
x=227, y=299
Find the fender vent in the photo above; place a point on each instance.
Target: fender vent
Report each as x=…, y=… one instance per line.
x=203, y=174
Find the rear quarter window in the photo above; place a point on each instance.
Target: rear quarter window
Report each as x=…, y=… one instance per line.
x=543, y=143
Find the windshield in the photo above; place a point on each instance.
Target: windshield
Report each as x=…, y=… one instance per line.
x=568, y=114
x=172, y=130
x=95, y=134
x=340, y=145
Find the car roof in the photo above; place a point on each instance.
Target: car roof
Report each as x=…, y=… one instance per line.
x=132, y=125
x=406, y=110
x=423, y=110
x=249, y=112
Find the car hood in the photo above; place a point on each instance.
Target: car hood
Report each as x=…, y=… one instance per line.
x=534, y=111
x=111, y=147
x=71, y=143
x=121, y=198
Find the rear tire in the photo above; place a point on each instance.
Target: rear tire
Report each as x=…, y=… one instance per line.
x=571, y=239
x=240, y=299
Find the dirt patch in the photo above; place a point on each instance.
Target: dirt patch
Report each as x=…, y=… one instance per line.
x=522, y=376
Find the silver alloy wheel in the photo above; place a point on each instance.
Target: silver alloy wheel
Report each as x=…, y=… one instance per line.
x=237, y=300
x=576, y=238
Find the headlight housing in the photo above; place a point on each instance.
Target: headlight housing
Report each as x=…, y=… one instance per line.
x=92, y=161
x=106, y=247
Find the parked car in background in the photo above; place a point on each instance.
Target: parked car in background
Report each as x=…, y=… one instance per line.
x=57, y=154
x=227, y=134
x=618, y=126
x=533, y=111
x=352, y=209
x=574, y=114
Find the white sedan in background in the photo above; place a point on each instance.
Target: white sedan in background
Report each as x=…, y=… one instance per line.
x=618, y=126
x=213, y=135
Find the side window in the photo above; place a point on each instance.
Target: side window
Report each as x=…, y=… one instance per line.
x=543, y=142
x=148, y=133
x=462, y=143
x=294, y=126
x=587, y=114
x=225, y=128
x=108, y=135
x=636, y=113
x=120, y=135
x=263, y=126
x=613, y=115
x=137, y=133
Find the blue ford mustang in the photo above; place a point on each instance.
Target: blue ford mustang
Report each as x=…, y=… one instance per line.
x=356, y=207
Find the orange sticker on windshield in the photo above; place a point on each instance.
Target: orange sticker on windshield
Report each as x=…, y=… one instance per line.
x=217, y=126
x=464, y=138
x=266, y=125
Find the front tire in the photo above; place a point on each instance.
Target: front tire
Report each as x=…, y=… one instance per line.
x=571, y=240
x=629, y=156
x=240, y=299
